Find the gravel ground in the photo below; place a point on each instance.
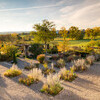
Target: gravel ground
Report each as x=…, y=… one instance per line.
x=85, y=87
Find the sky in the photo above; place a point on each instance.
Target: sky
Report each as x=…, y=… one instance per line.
x=21, y=15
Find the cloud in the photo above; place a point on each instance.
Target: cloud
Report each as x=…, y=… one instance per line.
x=35, y=7
x=3, y=5
x=87, y=14
x=67, y=9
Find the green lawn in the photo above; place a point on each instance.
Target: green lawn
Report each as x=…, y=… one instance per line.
x=75, y=42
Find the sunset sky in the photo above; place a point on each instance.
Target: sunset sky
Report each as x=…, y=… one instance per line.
x=21, y=15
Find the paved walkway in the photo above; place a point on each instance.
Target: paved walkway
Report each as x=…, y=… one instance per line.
x=85, y=87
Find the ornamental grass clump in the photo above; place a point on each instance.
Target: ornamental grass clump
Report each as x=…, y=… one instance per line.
x=13, y=71
x=47, y=70
x=60, y=63
x=52, y=85
x=35, y=76
x=90, y=59
x=67, y=75
x=80, y=65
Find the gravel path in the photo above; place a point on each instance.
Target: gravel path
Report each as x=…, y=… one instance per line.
x=85, y=87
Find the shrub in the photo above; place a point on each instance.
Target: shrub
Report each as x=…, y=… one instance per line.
x=45, y=65
x=18, y=54
x=80, y=65
x=61, y=55
x=41, y=58
x=52, y=85
x=61, y=63
x=54, y=57
x=26, y=81
x=31, y=66
x=8, y=49
x=36, y=49
x=90, y=59
x=89, y=49
x=46, y=60
x=97, y=57
x=54, y=50
x=98, y=43
x=63, y=46
x=4, y=57
x=70, y=58
x=7, y=52
x=36, y=74
x=91, y=43
x=13, y=71
x=67, y=75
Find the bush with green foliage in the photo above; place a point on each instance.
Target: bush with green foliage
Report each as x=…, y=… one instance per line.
x=91, y=43
x=98, y=43
x=94, y=43
x=36, y=49
x=88, y=49
x=8, y=53
x=4, y=57
x=13, y=71
x=52, y=85
x=53, y=50
x=41, y=58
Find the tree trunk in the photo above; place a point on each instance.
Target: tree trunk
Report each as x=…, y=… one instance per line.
x=46, y=47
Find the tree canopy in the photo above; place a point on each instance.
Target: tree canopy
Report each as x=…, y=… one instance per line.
x=45, y=32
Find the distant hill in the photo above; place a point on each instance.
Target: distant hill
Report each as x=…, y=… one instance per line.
x=15, y=32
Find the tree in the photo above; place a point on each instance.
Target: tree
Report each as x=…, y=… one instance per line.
x=89, y=32
x=14, y=37
x=45, y=32
x=63, y=47
x=96, y=32
x=63, y=32
x=73, y=32
x=79, y=35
